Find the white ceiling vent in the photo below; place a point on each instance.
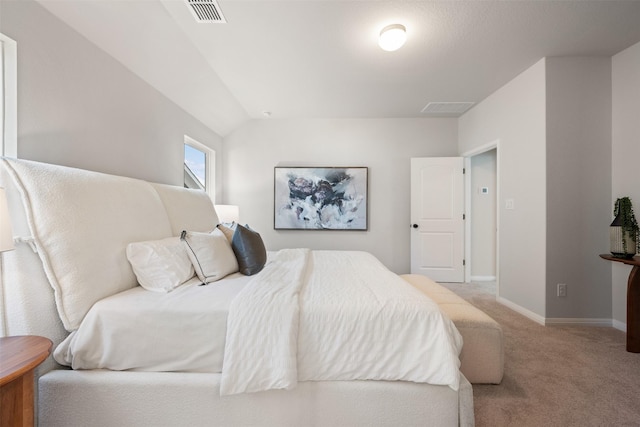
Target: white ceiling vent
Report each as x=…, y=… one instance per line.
x=206, y=11
x=449, y=108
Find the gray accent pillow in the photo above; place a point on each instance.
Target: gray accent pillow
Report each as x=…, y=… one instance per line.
x=249, y=249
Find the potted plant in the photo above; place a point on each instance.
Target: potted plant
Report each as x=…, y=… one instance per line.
x=624, y=229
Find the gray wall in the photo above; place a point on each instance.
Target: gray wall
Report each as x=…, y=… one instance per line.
x=384, y=146
x=553, y=124
x=77, y=106
x=626, y=152
x=578, y=186
x=514, y=116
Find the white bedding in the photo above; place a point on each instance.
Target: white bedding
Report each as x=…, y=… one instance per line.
x=347, y=318
x=183, y=330
x=357, y=321
x=262, y=327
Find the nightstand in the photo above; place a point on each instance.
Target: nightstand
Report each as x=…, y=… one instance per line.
x=19, y=356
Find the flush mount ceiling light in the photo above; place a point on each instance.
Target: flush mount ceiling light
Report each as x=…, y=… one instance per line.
x=392, y=37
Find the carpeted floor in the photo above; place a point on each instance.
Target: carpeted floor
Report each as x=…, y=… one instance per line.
x=556, y=375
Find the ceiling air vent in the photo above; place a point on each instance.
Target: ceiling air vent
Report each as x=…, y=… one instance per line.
x=206, y=11
x=448, y=108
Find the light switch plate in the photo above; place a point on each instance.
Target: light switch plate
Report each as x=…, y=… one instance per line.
x=510, y=204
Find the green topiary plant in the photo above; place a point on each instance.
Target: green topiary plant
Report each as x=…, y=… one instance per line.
x=626, y=220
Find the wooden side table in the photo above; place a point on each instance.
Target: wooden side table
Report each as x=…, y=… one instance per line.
x=633, y=302
x=19, y=356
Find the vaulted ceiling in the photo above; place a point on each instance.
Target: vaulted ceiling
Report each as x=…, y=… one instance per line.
x=320, y=58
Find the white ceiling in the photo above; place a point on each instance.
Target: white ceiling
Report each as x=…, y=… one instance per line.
x=320, y=59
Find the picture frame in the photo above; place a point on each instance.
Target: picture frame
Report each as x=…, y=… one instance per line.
x=321, y=198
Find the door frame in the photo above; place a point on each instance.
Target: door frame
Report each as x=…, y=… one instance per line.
x=467, y=203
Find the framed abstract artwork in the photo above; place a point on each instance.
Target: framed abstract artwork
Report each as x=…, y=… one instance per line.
x=320, y=198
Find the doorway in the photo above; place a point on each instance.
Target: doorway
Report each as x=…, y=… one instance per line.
x=481, y=237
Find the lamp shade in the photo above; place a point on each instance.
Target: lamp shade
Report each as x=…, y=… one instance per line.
x=6, y=234
x=228, y=213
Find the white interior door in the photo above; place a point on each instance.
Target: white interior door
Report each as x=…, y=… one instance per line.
x=437, y=218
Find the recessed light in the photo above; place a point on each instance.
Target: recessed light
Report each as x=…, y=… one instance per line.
x=392, y=37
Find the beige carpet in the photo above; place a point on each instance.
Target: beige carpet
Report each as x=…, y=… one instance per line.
x=556, y=375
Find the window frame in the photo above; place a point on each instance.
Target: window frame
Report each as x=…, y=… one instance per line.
x=210, y=161
x=8, y=96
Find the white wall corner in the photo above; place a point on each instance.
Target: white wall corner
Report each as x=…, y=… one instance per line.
x=619, y=325
x=519, y=309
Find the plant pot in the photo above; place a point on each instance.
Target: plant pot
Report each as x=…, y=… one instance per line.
x=622, y=245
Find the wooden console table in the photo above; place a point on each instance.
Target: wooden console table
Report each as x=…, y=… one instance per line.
x=19, y=357
x=633, y=302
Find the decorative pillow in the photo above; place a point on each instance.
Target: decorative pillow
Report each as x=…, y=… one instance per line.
x=210, y=254
x=160, y=265
x=249, y=250
x=228, y=230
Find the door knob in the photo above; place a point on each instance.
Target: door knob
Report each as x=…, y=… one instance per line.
x=415, y=225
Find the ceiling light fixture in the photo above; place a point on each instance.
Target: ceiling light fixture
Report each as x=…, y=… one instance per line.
x=392, y=37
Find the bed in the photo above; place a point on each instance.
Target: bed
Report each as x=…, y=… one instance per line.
x=341, y=341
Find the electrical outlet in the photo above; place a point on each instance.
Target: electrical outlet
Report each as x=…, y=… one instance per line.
x=562, y=290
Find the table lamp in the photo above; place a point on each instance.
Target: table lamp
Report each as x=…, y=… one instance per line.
x=228, y=213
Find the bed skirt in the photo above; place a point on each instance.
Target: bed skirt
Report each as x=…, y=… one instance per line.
x=106, y=398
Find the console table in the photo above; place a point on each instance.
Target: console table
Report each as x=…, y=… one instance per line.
x=633, y=301
x=19, y=356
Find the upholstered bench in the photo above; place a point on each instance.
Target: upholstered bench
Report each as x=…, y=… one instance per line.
x=482, y=356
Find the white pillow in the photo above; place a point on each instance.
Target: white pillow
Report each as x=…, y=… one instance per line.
x=210, y=254
x=160, y=265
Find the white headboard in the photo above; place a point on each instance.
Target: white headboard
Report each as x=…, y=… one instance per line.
x=80, y=223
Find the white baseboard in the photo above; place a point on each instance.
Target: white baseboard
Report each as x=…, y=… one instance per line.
x=619, y=325
x=483, y=278
x=568, y=321
x=525, y=312
x=562, y=321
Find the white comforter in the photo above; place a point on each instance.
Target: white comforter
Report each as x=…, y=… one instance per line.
x=337, y=316
x=183, y=330
x=309, y=315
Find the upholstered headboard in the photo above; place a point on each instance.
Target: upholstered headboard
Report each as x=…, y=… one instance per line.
x=79, y=223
